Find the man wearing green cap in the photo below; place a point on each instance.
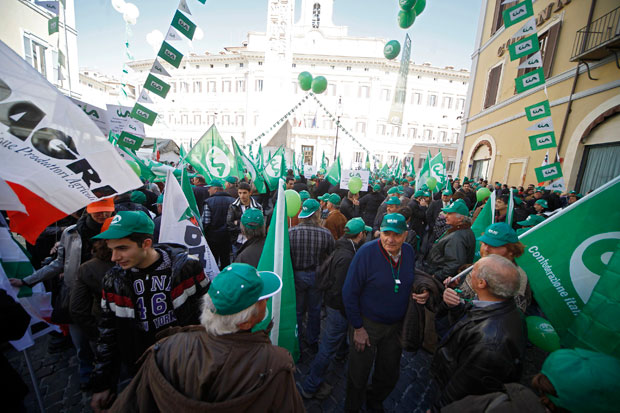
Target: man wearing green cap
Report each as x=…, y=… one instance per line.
x=233, y=219
x=335, y=325
x=529, y=223
x=220, y=365
x=151, y=288
x=253, y=229
x=541, y=206
x=370, y=203
x=350, y=206
x=335, y=220
x=455, y=247
x=231, y=186
x=419, y=206
x=391, y=206
x=214, y=222
x=310, y=245
x=376, y=294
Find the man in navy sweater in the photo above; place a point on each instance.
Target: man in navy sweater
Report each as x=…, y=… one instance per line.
x=375, y=295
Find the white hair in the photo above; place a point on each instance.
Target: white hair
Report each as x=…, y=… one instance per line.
x=217, y=324
x=464, y=218
x=501, y=275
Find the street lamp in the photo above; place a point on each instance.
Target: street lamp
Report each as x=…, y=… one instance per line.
x=338, y=114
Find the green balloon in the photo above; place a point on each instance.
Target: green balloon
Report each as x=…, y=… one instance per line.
x=391, y=49
x=431, y=183
x=419, y=7
x=305, y=80
x=406, y=4
x=355, y=184
x=406, y=18
x=293, y=202
x=319, y=84
x=134, y=166
x=482, y=194
x=542, y=334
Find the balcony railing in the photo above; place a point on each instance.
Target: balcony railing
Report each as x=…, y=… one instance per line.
x=600, y=40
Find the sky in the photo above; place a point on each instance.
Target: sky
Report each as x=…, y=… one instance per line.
x=442, y=35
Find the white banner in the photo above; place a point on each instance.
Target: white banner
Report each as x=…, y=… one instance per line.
x=542, y=125
x=534, y=60
x=528, y=28
x=119, y=119
x=309, y=170
x=96, y=114
x=347, y=174
x=49, y=146
x=159, y=69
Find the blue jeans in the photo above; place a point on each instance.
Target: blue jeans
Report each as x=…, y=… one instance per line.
x=308, y=300
x=334, y=334
x=85, y=355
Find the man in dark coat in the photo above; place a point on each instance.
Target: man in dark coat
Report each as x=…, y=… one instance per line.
x=214, y=221
x=486, y=346
x=369, y=204
x=350, y=206
x=201, y=192
x=253, y=229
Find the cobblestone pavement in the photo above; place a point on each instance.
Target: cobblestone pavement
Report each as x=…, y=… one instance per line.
x=60, y=390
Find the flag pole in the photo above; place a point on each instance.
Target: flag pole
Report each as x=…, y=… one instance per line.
x=35, y=383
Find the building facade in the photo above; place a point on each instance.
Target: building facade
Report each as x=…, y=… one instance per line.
x=229, y=89
x=577, y=41
x=25, y=30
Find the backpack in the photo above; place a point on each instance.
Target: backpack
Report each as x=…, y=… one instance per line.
x=324, y=280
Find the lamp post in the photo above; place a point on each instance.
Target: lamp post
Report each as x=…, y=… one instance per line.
x=338, y=114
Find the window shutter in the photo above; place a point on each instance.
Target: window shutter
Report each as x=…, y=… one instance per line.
x=549, y=53
x=498, y=21
x=492, y=86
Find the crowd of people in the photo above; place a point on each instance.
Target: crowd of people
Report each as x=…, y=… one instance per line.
x=374, y=275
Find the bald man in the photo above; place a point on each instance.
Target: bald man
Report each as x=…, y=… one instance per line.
x=485, y=347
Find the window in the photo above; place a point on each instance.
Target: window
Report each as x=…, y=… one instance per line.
x=197, y=66
x=421, y=162
x=240, y=86
x=428, y=134
x=359, y=157
x=240, y=64
x=392, y=159
x=498, y=20
x=259, y=85
x=294, y=64
x=226, y=86
x=197, y=87
x=366, y=69
x=380, y=129
x=385, y=94
x=447, y=102
x=412, y=133
x=450, y=166
x=316, y=16
x=396, y=131
x=212, y=88
x=364, y=92
x=240, y=120
x=455, y=137
x=480, y=169
x=184, y=87
x=55, y=67
x=492, y=86
x=173, y=86
x=460, y=103
x=171, y=119
x=360, y=127
x=416, y=98
x=331, y=90
x=197, y=119
x=226, y=65
x=308, y=154
x=548, y=43
x=260, y=63
x=226, y=120
x=443, y=136
x=184, y=120
x=432, y=100
x=349, y=68
x=35, y=55
x=332, y=67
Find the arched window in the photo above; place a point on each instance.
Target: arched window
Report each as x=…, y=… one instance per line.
x=316, y=15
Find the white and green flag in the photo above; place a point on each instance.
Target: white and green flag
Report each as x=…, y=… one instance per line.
x=568, y=260
x=438, y=170
x=425, y=173
x=276, y=257
x=333, y=175
x=275, y=168
x=245, y=163
x=180, y=225
x=212, y=158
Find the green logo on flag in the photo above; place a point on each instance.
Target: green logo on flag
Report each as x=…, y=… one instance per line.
x=218, y=163
x=157, y=86
x=524, y=47
x=542, y=141
x=589, y=260
x=184, y=25
x=130, y=141
x=530, y=80
x=518, y=13
x=273, y=167
x=143, y=114
x=548, y=172
x=170, y=54
x=538, y=110
x=52, y=25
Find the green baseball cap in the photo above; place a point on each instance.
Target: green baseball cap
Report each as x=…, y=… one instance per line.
x=540, y=189
x=394, y=222
x=447, y=192
x=309, y=207
x=126, y=223
x=458, y=207
x=393, y=201
x=216, y=183
x=584, y=380
x=304, y=195
x=499, y=234
x=138, y=197
x=252, y=218
x=531, y=221
x=542, y=203
x=324, y=197
x=313, y=177
x=418, y=193
x=160, y=199
x=239, y=286
x=355, y=226
x=376, y=187
x=231, y=179
x=392, y=190
x=334, y=199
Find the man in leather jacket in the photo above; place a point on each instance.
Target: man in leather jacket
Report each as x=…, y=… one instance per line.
x=485, y=347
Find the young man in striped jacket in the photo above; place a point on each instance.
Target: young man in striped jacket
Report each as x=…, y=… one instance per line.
x=151, y=287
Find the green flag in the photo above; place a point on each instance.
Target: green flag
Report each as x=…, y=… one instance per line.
x=156, y=85
x=524, y=47
x=145, y=171
x=411, y=168
x=130, y=141
x=182, y=154
x=52, y=25
x=259, y=158
x=569, y=261
x=154, y=147
x=323, y=168
x=530, y=80
x=538, y=110
x=212, y=158
x=191, y=198
x=275, y=168
x=542, y=141
x=424, y=173
x=438, y=170
x=384, y=171
x=367, y=164
x=183, y=24
x=276, y=257
x=13, y=258
x=548, y=172
x=333, y=175
x=517, y=13
x=485, y=218
x=170, y=54
x=143, y=114
x=245, y=163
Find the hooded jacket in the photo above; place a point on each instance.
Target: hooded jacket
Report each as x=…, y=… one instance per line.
x=453, y=249
x=120, y=339
x=344, y=251
x=233, y=217
x=193, y=371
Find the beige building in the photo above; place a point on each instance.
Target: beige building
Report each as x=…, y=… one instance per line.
x=579, y=42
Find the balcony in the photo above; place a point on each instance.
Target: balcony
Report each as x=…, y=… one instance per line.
x=601, y=40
